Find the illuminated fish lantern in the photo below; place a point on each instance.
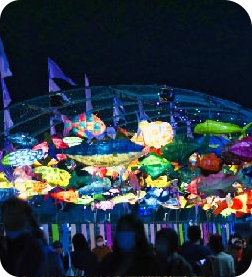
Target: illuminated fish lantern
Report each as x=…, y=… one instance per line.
x=96, y=187
x=156, y=134
x=77, y=181
x=59, y=142
x=210, y=163
x=103, y=205
x=84, y=200
x=29, y=188
x=217, y=127
x=213, y=183
x=128, y=197
x=154, y=165
x=85, y=125
x=160, y=182
x=4, y=183
x=105, y=153
x=22, y=157
x=22, y=139
x=227, y=156
x=50, y=150
x=179, y=151
x=54, y=176
x=72, y=141
x=243, y=149
x=67, y=195
x=242, y=203
x=211, y=144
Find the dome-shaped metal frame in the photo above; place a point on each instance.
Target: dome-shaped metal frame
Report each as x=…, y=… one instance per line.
x=33, y=116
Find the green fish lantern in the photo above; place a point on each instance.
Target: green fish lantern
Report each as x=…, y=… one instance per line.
x=179, y=151
x=155, y=165
x=218, y=128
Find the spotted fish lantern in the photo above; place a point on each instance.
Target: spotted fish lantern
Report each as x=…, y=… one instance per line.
x=54, y=176
x=22, y=157
x=85, y=125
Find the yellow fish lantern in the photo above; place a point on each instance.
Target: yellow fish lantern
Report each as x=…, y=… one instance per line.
x=54, y=176
x=153, y=134
x=4, y=183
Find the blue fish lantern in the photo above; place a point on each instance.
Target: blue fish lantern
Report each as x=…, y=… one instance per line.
x=22, y=139
x=22, y=157
x=105, y=153
x=212, y=144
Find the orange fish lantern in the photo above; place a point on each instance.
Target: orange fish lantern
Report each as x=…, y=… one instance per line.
x=67, y=196
x=153, y=134
x=210, y=162
x=242, y=203
x=84, y=125
x=39, y=186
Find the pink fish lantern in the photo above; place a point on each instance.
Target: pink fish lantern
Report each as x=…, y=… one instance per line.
x=243, y=149
x=58, y=142
x=193, y=186
x=104, y=205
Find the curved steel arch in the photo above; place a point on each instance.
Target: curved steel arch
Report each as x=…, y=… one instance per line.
x=32, y=116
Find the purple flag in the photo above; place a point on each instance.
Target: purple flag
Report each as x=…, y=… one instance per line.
x=8, y=123
x=89, y=106
x=118, y=111
x=54, y=71
x=6, y=95
x=52, y=127
x=4, y=64
x=142, y=114
x=189, y=133
x=52, y=86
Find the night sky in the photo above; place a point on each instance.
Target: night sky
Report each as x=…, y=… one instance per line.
x=200, y=45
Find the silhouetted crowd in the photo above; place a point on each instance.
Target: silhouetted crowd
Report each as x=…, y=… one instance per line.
x=24, y=250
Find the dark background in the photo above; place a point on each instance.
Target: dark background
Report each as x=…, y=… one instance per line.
x=199, y=45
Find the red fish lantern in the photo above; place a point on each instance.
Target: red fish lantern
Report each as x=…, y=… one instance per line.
x=210, y=162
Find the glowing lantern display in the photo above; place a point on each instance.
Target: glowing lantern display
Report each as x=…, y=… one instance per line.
x=154, y=134
x=22, y=157
x=155, y=165
x=54, y=176
x=72, y=141
x=4, y=183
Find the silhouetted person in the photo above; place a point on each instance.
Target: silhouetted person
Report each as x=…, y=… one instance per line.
x=193, y=250
x=58, y=247
x=170, y=262
x=219, y=263
x=101, y=250
x=131, y=255
x=245, y=262
x=82, y=258
x=27, y=253
x=3, y=249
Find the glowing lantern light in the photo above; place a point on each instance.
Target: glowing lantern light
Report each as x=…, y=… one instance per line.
x=155, y=165
x=22, y=157
x=154, y=134
x=54, y=176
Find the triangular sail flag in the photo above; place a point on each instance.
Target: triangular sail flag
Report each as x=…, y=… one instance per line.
x=6, y=101
x=8, y=123
x=189, y=133
x=6, y=95
x=118, y=111
x=4, y=64
x=53, y=86
x=89, y=106
x=142, y=114
x=55, y=71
